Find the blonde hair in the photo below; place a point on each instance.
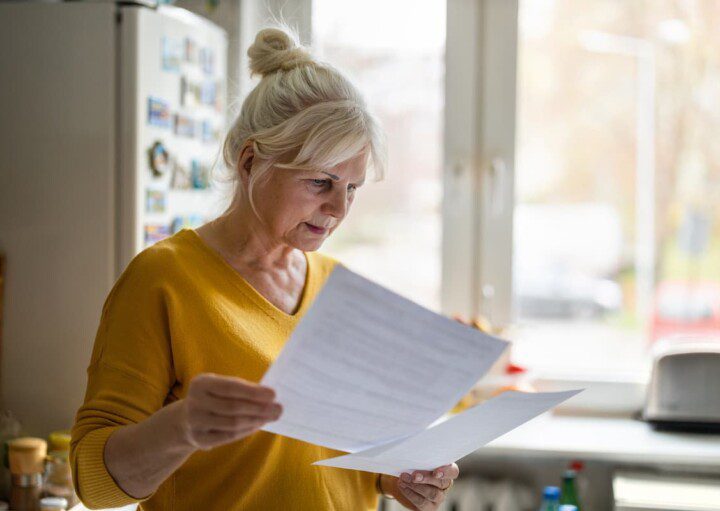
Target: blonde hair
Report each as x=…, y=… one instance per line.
x=303, y=114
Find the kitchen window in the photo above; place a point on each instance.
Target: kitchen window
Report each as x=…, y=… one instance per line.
x=552, y=168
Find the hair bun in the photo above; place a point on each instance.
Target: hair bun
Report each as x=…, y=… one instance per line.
x=276, y=49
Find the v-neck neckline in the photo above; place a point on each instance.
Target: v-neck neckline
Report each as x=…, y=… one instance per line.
x=253, y=293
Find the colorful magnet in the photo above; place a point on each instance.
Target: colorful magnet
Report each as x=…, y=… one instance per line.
x=184, y=126
x=155, y=201
x=155, y=233
x=158, y=112
x=208, y=93
x=207, y=60
x=190, y=92
x=207, y=133
x=172, y=53
x=180, y=179
x=191, y=51
x=200, y=175
x=158, y=159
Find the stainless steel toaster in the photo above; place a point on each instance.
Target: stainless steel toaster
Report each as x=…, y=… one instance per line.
x=684, y=389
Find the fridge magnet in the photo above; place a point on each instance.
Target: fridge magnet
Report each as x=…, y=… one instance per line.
x=180, y=179
x=189, y=92
x=158, y=112
x=206, y=60
x=155, y=233
x=184, y=126
x=208, y=93
x=200, y=175
x=191, y=51
x=207, y=133
x=196, y=92
x=189, y=221
x=172, y=53
x=185, y=99
x=154, y=201
x=183, y=90
x=158, y=159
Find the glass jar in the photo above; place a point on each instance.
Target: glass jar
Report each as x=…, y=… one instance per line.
x=58, y=477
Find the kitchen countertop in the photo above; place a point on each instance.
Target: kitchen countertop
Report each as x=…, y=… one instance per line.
x=599, y=438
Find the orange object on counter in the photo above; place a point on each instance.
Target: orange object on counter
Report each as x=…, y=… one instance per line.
x=502, y=376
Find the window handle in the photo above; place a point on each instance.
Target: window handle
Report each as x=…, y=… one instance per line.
x=498, y=182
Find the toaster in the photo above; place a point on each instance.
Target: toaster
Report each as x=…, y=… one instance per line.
x=684, y=389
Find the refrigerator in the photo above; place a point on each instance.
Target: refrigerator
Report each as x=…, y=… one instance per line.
x=112, y=115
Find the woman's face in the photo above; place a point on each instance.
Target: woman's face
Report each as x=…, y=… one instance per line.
x=302, y=208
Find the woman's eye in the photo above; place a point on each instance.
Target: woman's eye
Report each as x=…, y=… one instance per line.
x=320, y=183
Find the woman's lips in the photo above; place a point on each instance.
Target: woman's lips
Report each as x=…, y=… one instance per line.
x=315, y=229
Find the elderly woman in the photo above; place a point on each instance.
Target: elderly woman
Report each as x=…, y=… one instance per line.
x=172, y=412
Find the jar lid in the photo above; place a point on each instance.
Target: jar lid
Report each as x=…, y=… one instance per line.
x=59, y=441
x=53, y=503
x=26, y=444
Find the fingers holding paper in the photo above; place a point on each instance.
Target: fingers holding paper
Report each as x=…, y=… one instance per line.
x=221, y=409
x=425, y=490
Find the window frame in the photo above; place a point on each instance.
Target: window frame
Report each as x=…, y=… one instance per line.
x=479, y=160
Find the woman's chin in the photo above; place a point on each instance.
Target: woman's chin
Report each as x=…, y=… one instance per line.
x=309, y=245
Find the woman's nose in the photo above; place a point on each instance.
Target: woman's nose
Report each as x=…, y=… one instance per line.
x=337, y=204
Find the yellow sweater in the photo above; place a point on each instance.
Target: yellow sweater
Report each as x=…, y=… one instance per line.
x=178, y=310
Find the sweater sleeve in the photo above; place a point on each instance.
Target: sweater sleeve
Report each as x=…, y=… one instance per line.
x=129, y=377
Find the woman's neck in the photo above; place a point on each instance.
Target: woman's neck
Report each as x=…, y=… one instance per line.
x=244, y=243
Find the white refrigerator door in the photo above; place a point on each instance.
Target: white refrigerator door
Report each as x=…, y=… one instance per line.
x=173, y=99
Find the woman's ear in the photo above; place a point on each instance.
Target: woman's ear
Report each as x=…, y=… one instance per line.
x=245, y=161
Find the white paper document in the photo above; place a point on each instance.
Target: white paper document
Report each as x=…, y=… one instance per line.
x=454, y=438
x=366, y=366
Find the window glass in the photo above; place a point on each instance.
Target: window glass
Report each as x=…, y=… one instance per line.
x=392, y=234
x=617, y=215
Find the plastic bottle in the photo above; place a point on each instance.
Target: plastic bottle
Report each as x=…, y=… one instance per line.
x=569, y=489
x=551, y=499
x=581, y=480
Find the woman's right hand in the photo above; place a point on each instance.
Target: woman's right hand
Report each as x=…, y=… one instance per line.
x=222, y=409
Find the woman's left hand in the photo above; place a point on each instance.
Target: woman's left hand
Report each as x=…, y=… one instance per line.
x=422, y=490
